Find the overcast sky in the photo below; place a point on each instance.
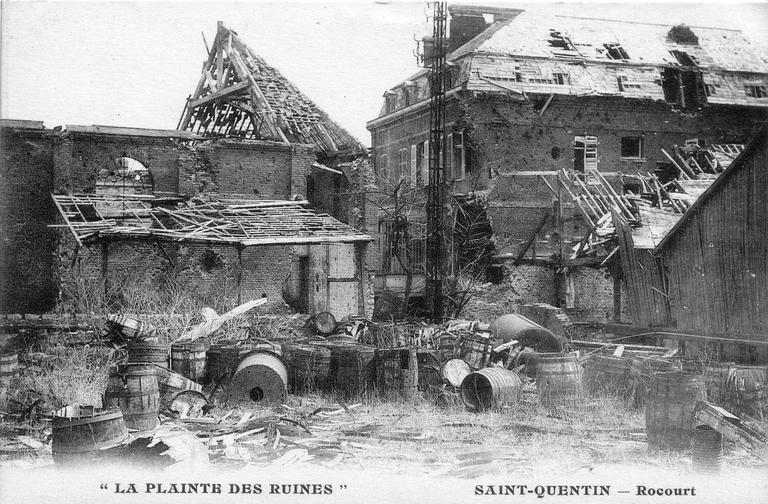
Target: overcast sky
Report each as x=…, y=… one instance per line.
x=135, y=63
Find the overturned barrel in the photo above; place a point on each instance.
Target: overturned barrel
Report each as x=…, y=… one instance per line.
x=80, y=433
x=188, y=359
x=528, y=333
x=308, y=365
x=134, y=389
x=672, y=396
x=170, y=384
x=260, y=377
x=491, y=387
x=558, y=378
x=397, y=371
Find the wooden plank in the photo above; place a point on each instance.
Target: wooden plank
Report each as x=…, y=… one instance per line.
x=732, y=428
x=222, y=93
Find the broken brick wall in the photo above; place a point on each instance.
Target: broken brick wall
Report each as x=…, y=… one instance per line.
x=258, y=170
x=80, y=157
x=28, y=283
x=527, y=283
x=139, y=274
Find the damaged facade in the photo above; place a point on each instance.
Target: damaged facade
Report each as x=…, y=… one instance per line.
x=530, y=96
x=250, y=150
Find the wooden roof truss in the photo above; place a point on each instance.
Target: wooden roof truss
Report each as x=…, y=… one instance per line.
x=239, y=95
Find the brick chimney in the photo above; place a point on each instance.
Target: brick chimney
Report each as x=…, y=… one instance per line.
x=469, y=21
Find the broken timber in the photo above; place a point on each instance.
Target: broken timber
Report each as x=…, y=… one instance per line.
x=731, y=427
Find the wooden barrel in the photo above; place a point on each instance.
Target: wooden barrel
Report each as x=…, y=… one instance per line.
x=9, y=363
x=669, y=408
x=491, y=387
x=397, y=371
x=155, y=353
x=188, y=359
x=81, y=432
x=170, y=384
x=134, y=389
x=607, y=375
x=308, y=365
x=260, y=377
x=474, y=349
x=221, y=359
x=429, y=369
x=352, y=369
x=717, y=378
x=447, y=346
x=558, y=378
x=641, y=369
x=323, y=322
x=747, y=391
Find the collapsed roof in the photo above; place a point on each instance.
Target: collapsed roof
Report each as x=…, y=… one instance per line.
x=91, y=218
x=240, y=95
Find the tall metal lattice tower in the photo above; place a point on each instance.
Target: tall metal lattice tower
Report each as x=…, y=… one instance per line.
x=436, y=196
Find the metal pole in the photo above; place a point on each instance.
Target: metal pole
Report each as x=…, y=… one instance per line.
x=437, y=158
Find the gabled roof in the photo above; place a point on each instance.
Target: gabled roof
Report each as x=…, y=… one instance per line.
x=240, y=95
x=741, y=162
x=91, y=218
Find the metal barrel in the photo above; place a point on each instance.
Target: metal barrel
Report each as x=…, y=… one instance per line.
x=558, y=378
x=527, y=332
x=260, y=377
x=81, y=432
x=491, y=387
x=454, y=371
x=134, y=389
x=707, y=450
x=672, y=396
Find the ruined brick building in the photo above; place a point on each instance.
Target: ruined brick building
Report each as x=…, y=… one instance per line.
x=532, y=95
x=215, y=210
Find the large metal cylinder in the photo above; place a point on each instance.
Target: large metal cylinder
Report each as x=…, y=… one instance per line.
x=260, y=377
x=527, y=332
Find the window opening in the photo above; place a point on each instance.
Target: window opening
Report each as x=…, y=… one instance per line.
x=631, y=147
x=615, y=51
